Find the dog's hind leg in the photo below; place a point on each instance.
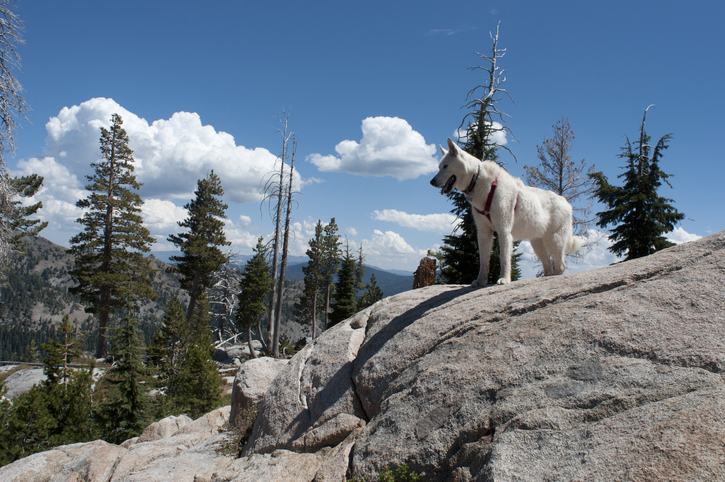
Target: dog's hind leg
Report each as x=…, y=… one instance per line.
x=557, y=247
x=543, y=254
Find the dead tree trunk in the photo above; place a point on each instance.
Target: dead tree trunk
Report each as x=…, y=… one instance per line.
x=285, y=248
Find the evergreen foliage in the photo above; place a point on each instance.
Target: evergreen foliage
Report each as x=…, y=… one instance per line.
x=124, y=413
x=254, y=288
x=18, y=216
x=310, y=303
x=182, y=352
x=330, y=264
x=110, y=270
x=166, y=351
x=200, y=244
x=639, y=215
x=345, y=304
x=371, y=295
x=55, y=412
x=59, y=355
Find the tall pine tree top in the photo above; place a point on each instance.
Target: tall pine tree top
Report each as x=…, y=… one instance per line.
x=200, y=244
x=639, y=215
x=254, y=287
x=110, y=269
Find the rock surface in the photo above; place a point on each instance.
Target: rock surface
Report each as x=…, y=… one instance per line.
x=252, y=381
x=612, y=374
x=22, y=381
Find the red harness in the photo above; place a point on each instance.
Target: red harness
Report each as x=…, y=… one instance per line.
x=489, y=199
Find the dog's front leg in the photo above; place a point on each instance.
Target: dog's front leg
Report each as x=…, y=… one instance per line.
x=506, y=247
x=485, y=241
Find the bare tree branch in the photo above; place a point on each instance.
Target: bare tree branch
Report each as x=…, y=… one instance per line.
x=489, y=93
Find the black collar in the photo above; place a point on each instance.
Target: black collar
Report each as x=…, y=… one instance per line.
x=473, y=181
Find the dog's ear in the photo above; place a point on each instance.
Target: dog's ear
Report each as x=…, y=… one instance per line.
x=452, y=147
x=443, y=151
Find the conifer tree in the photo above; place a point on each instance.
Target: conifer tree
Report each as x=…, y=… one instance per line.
x=198, y=381
x=254, y=288
x=60, y=354
x=110, y=270
x=359, y=269
x=306, y=309
x=55, y=412
x=639, y=215
x=166, y=352
x=344, y=305
x=330, y=264
x=18, y=217
x=200, y=245
x=182, y=352
x=371, y=295
x=124, y=412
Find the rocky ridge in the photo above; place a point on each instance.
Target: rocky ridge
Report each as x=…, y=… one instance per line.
x=612, y=374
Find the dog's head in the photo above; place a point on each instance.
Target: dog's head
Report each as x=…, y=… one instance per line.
x=451, y=170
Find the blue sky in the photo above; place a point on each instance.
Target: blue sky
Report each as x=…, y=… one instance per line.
x=372, y=88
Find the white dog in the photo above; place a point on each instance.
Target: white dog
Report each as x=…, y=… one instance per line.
x=503, y=204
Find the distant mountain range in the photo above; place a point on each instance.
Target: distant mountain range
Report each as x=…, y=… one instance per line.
x=391, y=282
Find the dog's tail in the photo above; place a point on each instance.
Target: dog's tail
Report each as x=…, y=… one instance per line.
x=575, y=244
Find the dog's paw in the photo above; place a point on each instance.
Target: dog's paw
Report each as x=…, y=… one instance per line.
x=503, y=281
x=479, y=282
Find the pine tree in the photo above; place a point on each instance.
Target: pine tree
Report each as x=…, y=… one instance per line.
x=359, y=269
x=110, y=270
x=60, y=354
x=345, y=305
x=124, y=412
x=458, y=257
x=306, y=309
x=182, y=353
x=198, y=381
x=639, y=215
x=371, y=295
x=166, y=352
x=19, y=220
x=330, y=264
x=55, y=412
x=254, y=289
x=200, y=246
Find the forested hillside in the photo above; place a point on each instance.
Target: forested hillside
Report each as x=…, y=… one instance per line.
x=36, y=298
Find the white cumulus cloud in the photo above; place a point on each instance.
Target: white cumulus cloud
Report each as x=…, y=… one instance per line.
x=497, y=136
x=170, y=154
x=679, y=236
x=390, y=249
x=436, y=223
x=162, y=216
x=389, y=147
